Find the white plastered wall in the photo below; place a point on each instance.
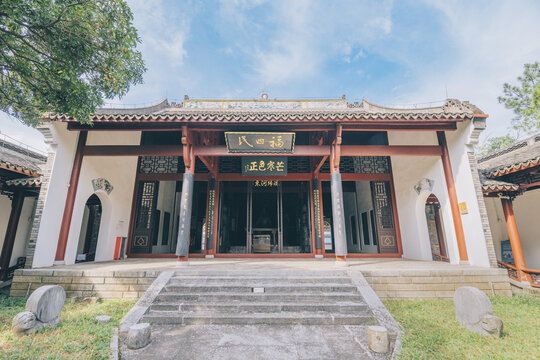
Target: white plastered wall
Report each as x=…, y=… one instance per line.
x=409, y=170
x=526, y=210
x=119, y=171
x=472, y=222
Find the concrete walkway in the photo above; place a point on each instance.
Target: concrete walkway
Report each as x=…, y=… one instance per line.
x=254, y=342
x=364, y=265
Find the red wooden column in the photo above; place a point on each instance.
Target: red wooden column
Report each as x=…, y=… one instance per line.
x=11, y=231
x=452, y=195
x=513, y=235
x=70, y=198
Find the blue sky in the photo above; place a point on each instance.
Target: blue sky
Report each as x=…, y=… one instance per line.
x=389, y=52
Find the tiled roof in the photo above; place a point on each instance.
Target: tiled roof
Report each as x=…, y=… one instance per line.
x=489, y=185
x=26, y=182
x=253, y=112
x=18, y=159
x=518, y=156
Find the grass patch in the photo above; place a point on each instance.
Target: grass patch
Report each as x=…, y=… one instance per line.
x=432, y=333
x=78, y=336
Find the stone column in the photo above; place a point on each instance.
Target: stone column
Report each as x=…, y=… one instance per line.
x=184, y=225
x=338, y=217
x=11, y=232
x=513, y=236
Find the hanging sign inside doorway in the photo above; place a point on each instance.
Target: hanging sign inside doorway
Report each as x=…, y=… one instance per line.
x=257, y=142
x=264, y=165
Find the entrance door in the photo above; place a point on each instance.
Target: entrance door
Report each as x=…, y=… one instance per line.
x=264, y=234
x=264, y=217
x=436, y=234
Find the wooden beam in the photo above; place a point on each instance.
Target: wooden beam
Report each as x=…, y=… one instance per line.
x=133, y=150
x=526, y=186
x=391, y=150
x=208, y=163
x=70, y=198
x=357, y=126
x=318, y=168
x=299, y=150
x=452, y=195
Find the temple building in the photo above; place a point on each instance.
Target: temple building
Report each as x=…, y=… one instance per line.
x=511, y=186
x=20, y=182
x=263, y=178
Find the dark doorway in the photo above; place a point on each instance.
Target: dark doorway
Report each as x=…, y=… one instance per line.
x=86, y=251
x=264, y=217
x=435, y=229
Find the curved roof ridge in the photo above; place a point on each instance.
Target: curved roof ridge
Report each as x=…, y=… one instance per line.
x=450, y=106
x=157, y=107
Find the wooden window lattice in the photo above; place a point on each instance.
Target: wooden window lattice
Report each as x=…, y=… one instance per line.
x=146, y=202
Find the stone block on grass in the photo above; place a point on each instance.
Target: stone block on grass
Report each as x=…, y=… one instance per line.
x=474, y=311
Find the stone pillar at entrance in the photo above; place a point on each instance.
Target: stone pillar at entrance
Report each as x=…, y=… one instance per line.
x=338, y=217
x=513, y=236
x=184, y=225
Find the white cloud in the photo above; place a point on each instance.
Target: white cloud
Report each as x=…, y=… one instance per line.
x=305, y=34
x=493, y=41
x=381, y=23
x=161, y=37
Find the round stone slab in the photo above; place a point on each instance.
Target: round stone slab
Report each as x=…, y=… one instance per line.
x=46, y=302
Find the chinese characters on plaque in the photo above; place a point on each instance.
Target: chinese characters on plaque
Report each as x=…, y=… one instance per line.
x=259, y=183
x=264, y=165
x=256, y=142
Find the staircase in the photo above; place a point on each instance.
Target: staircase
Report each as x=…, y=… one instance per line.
x=248, y=297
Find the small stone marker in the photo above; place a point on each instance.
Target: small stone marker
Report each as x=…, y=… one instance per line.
x=258, y=290
x=378, y=339
x=103, y=319
x=46, y=302
x=475, y=312
x=138, y=336
x=22, y=322
x=42, y=310
x=91, y=299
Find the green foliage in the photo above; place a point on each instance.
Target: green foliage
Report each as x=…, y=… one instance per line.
x=78, y=336
x=430, y=331
x=65, y=56
x=496, y=143
x=524, y=100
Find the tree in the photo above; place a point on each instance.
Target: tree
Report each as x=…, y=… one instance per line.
x=493, y=144
x=65, y=56
x=524, y=100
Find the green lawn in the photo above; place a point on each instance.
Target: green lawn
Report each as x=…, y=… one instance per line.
x=432, y=333
x=77, y=337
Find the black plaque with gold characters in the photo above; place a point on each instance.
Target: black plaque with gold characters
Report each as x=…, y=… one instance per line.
x=264, y=165
x=257, y=142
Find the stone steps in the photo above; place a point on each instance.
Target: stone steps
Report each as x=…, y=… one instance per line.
x=270, y=307
x=289, y=288
x=286, y=297
x=259, y=281
x=166, y=297
x=290, y=318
